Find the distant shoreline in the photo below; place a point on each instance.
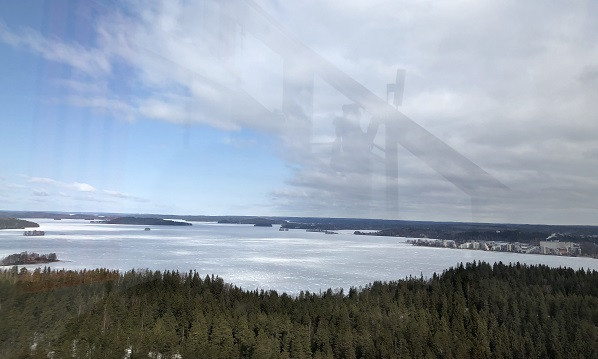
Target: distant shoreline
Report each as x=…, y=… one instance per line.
x=143, y=221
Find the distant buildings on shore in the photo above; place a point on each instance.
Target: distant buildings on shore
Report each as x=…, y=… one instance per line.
x=554, y=247
x=559, y=248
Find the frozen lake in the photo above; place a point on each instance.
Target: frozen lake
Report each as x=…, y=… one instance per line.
x=253, y=257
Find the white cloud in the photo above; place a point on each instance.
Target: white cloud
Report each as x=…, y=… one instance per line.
x=83, y=187
x=44, y=180
x=511, y=85
x=77, y=186
x=15, y=186
x=122, y=195
x=116, y=194
x=77, y=191
x=90, y=61
x=112, y=106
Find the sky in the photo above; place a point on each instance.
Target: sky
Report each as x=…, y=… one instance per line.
x=197, y=107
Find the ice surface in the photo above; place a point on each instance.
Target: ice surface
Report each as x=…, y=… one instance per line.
x=253, y=257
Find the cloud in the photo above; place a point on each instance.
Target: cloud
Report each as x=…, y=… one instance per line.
x=515, y=99
x=77, y=186
x=83, y=87
x=122, y=195
x=91, y=198
x=40, y=193
x=116, y=194
x=44, y=180
x=83, y=187
x=78, y=191
x=90, y=61
x=512, y=86
x=112, y=106
x=15, y=186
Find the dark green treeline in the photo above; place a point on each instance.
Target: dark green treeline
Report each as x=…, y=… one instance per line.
x=472, y=311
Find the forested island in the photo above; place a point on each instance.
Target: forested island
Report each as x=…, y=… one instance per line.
x=15, y=223
x=28, y=258
x=475, y=310
x=145, y=221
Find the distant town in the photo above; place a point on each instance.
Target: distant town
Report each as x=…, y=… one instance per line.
x=549, y=247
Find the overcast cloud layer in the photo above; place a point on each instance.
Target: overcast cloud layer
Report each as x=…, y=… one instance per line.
x=511, y=85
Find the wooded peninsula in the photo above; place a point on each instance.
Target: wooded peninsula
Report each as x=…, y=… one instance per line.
x=14, y=223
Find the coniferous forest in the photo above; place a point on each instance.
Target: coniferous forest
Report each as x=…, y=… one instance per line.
x=471, y=311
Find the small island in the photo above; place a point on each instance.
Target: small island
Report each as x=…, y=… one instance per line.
x=143, y=221
x=34, y=233
x=15, y=223
x=28, y=258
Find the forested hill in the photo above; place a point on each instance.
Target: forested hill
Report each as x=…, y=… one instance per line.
x=14, y=223
x=472, y=311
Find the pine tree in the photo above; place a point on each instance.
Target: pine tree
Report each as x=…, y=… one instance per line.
x=197, y=341
x=300, y=347
x=221, y=339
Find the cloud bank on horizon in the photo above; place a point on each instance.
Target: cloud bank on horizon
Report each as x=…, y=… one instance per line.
x=512, y=86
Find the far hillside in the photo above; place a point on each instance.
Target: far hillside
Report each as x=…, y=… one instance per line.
x=146, y=221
